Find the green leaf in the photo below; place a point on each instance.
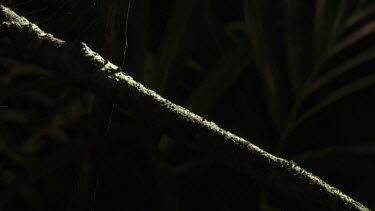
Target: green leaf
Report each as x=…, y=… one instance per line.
x=342, y=68
x=336, y=25
x=353, y=38
x=293, y=43
x=319, y=23
x=224, y=74
x=313, y=83
x=268, y=69
x=338, y=94
x=172, y=38
x=359, y=15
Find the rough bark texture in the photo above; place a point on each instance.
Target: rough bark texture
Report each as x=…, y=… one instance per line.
x=26, y=42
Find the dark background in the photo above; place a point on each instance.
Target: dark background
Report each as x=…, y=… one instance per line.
x=217, y=68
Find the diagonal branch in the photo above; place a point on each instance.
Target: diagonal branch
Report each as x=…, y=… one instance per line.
x=25, y=41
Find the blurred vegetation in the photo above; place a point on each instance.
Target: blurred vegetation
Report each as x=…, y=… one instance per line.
x=294, y=77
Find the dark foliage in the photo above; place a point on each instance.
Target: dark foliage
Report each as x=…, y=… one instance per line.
x=296, y=78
